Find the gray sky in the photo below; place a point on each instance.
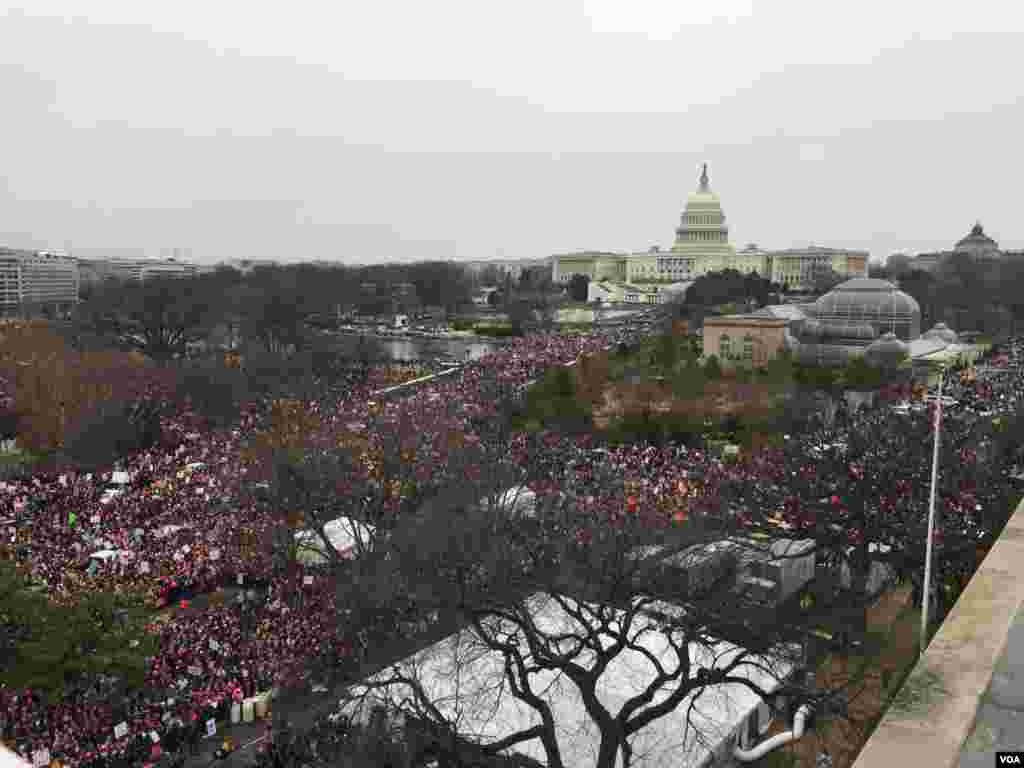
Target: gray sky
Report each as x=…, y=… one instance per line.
x=380, y=129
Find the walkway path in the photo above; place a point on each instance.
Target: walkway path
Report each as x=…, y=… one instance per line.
x=1000, y=720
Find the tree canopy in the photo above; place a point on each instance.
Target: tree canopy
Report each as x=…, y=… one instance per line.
x=49, y=647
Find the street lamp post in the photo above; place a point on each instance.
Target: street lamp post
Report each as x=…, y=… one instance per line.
x=926, y=590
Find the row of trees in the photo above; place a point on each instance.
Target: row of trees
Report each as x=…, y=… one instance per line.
x=729, y=286
x=965, y=293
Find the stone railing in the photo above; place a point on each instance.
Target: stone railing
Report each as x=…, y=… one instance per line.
x=938, y=706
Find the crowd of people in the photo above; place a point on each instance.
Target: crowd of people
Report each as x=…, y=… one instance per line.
x=175, y=533
x=173, y=529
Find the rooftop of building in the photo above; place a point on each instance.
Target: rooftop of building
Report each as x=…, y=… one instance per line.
x=866, y=296
x=818, y=250
x=782, y=311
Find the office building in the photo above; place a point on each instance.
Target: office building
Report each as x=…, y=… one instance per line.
x=33, y=281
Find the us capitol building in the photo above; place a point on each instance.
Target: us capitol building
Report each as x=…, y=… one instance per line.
x=701, y=246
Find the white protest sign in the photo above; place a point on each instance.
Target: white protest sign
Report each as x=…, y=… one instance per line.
x=214, y=645
x=41, y=757
x=211, y=727
x=94, y=519
x=215, y=554
x=194, y=670
x=241, y=579
x=178, y=557
x=154, y=736
x=308, y=580
x=186, y=549
x=144, y=567
x=120, y=730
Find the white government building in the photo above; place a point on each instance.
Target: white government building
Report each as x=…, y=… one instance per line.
x=701, y=246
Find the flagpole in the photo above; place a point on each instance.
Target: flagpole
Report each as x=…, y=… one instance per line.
x=926, y=592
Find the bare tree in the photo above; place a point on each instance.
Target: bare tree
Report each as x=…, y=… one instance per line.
x=159, y=317
x=557, y=612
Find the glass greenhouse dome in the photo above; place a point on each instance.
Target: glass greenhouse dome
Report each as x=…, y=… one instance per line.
x=867, y=301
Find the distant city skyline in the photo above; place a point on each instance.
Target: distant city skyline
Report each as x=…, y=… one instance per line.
x=332, y=133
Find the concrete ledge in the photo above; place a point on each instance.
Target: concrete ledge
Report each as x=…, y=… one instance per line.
x=953, y=675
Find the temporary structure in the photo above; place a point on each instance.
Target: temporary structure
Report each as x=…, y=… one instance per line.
x=11, y=759
x=465, y=681
x=346, y=535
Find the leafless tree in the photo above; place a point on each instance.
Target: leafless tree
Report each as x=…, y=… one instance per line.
x=556, y=603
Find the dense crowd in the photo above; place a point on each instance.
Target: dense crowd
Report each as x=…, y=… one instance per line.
x=173, y=531
x=175, y=528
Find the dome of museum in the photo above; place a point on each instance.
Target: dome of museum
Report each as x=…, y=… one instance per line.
x=941, y=332
x=887, y=351
x=977, y=242
x=877, y=303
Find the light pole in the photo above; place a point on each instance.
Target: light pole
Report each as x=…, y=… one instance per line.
x=926, y=588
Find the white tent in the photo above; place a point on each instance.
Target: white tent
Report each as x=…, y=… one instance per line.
x=519, y=500
x=11, y=759
x=344, y=534
x=465, y=681
x=104, y=554
x=168, y=530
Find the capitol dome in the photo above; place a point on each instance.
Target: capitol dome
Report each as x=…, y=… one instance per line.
x=941, y=332
x=703, y=233
x=704, y=198
x=877, y=303
x=887, y=351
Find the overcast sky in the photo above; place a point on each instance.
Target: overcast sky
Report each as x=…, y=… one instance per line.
x=381, y=130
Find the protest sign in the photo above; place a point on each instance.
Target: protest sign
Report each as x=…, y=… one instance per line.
x=120, y=730
x=211, y=727
x=41, y=757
